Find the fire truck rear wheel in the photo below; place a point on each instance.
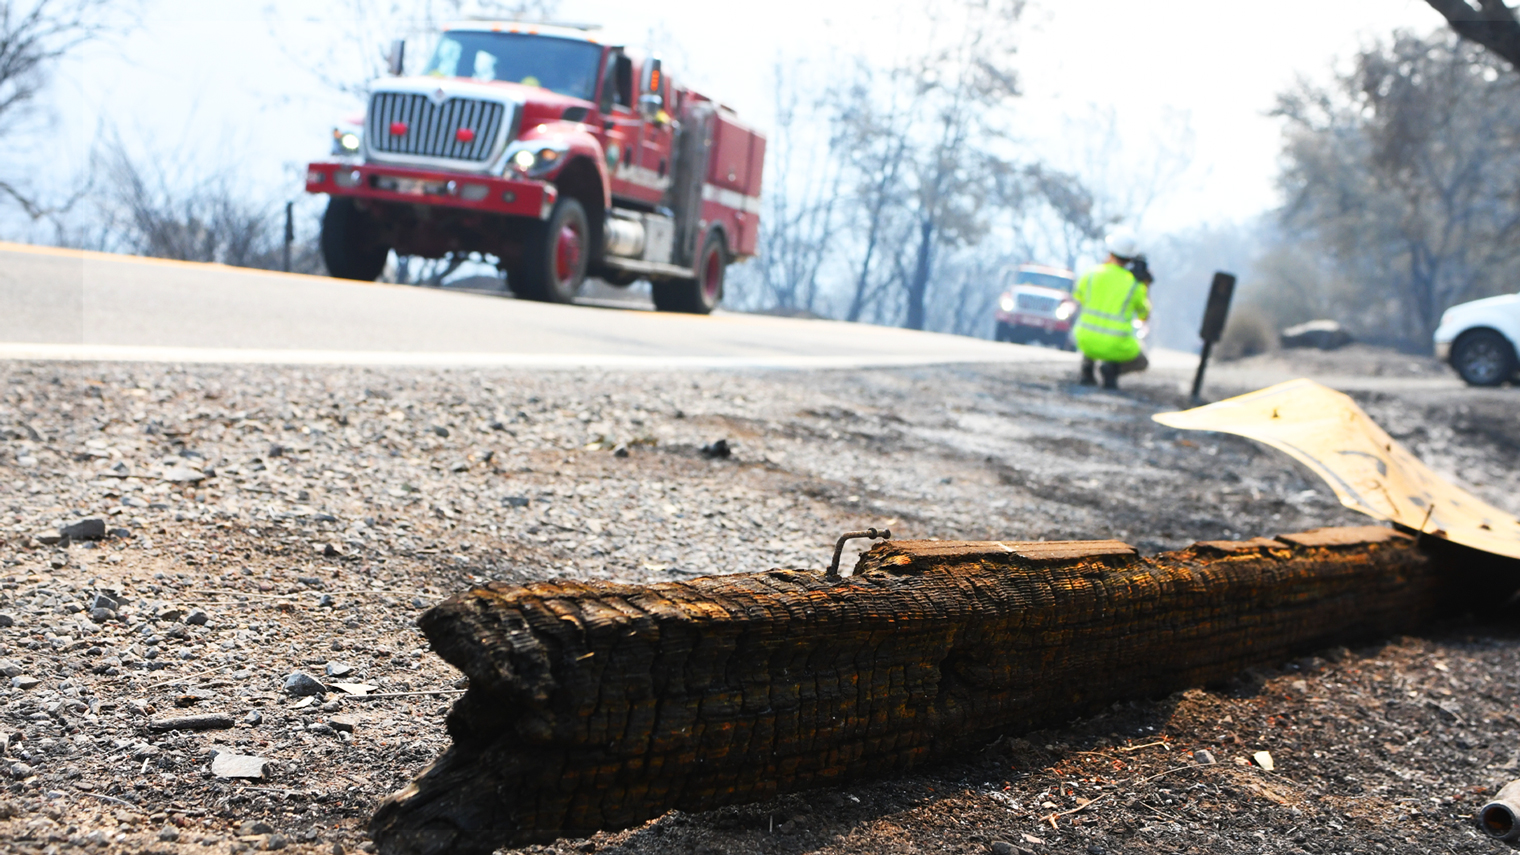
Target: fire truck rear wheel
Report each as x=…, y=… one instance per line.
x=701, y=295
x=555, y=257
x=349, y=247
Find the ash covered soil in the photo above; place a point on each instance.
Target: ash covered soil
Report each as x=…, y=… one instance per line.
x=264, y=521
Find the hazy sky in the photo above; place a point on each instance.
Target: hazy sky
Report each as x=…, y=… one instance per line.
x=225, y=83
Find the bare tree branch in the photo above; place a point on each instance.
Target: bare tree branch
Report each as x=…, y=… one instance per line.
x=1492, y=25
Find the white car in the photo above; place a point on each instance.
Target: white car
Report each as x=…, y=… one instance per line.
x=1480, y=339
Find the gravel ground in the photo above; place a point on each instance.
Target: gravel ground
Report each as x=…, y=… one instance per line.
x=265, y=521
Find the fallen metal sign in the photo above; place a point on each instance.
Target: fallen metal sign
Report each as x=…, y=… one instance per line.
x=1326, y=431
x=594, y=705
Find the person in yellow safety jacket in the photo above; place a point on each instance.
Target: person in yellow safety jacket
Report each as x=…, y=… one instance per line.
x=1111, y=299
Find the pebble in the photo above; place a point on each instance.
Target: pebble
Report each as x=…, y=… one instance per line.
x=7, y=620
x=93, y=528
x=197, y=618
x=183, y=475
x=102, y=615
x=168, y=835
x=104, y=601
x=254, y=717
x=300, y=683
x=239, y=766
x=25, y=683
x=338, y=669
x=342, y=723
x=1205, y=756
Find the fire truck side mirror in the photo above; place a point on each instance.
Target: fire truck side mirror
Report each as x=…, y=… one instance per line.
x=649, y=106
x=395, y=58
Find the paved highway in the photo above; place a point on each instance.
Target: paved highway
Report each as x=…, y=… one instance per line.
x=65, y=304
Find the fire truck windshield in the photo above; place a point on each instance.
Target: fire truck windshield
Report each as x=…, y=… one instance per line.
x=1046, y=280
x=564, y=66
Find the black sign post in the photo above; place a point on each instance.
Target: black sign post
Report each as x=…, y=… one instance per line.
x=290, y=233
x=1214, y=315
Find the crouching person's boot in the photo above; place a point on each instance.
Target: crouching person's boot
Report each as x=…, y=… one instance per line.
x=1088, y=379
x=1110, y=372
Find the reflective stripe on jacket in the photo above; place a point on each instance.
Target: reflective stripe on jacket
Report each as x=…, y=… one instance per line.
x=1111, y=299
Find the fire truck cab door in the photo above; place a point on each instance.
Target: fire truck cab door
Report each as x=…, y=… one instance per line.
x=621, y=125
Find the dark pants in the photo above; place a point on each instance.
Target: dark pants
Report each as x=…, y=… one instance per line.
x=1139, y=363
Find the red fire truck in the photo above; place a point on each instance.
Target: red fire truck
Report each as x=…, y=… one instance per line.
x=559, y=154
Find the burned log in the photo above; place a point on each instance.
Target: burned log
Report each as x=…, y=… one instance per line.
x=599, y=706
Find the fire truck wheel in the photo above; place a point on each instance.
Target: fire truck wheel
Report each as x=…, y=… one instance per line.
x=349, y=247
x=701, y=295
x=554, y=260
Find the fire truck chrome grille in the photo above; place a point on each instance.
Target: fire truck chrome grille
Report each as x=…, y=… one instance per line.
x=1037, y=303
x=433, y=130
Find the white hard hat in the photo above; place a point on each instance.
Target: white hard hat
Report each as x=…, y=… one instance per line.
x=1122, y=242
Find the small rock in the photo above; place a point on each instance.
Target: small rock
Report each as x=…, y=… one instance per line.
x=332, y=706
x=49, y=537
x=337, y=848
x=253, y=828
x=419, y=603
x=440, y=430
x=338, y=669
x=254, y=717
x=25, y=683
x=275, y=841
x=330, y=551
x=102, y=615
x=320, y=728
x=93, y=528
x=183, y=475
x=9, y=668
x=620, y=450
x=1264, y=760
x=300, y=683
x=1003, y=847
x=515, y=501
x=6, y=620
x=171, y=614
x=1205, y=756
x=326, y=601
x=104, y=601
x=239, y=766
x=342, y=723
x=197, y=618
x=168, y=835
x=719, y=450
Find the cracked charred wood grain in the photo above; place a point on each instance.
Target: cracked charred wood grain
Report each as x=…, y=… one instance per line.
x=599, y=706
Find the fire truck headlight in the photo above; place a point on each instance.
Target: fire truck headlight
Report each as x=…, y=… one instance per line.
x=524, y=160
x=1006, y=303
x=1065, y=310
x=345, y=142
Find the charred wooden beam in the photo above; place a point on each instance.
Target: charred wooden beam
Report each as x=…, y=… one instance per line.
x=599, y=706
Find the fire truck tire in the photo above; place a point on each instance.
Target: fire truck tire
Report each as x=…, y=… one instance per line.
x=701, y=295
x=555, y=256
x=349, y=248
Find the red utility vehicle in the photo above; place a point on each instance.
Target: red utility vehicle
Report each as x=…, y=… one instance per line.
x=1037, y=307
x=558, y=154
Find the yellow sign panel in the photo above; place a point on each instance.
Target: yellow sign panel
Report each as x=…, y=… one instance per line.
x=1326, y=431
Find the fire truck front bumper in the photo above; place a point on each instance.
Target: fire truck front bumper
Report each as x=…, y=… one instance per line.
x=487, y=194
